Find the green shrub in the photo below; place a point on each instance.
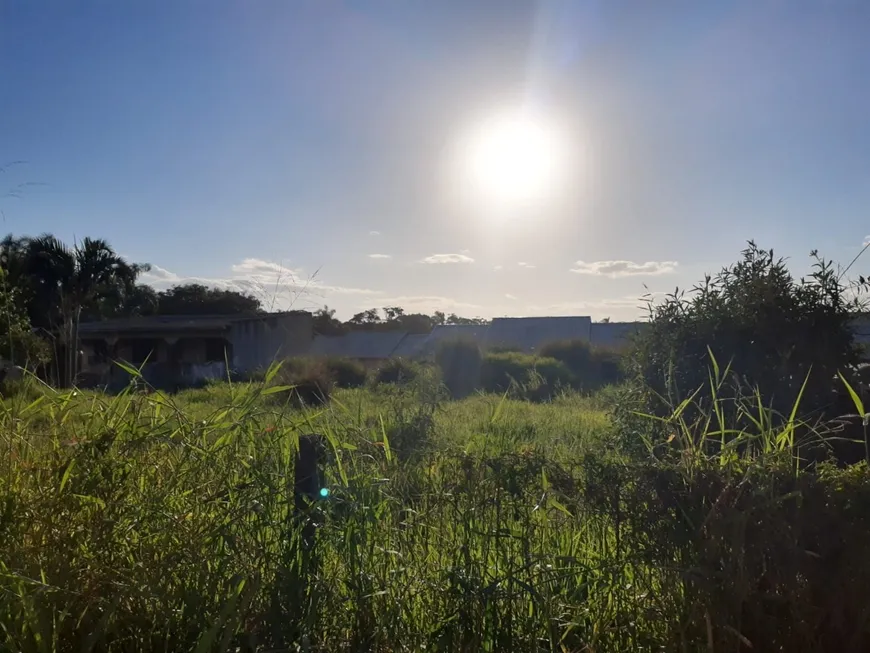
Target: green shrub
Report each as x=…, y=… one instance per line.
x=310, y=382
x=460, y=364
x=758, y=321
x=396, y=371
x=528, y=376
x=26, y=388
x=347, y=373
x=609, y=366
x=576, y=354
x=505, y=349
x=592, y=367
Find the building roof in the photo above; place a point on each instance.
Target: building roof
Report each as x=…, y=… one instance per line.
x=358, y=344
x=530, y=333
x=614, y=334
x=411, y=346
x=171, y=323
x=157, y=323
x=448, y=332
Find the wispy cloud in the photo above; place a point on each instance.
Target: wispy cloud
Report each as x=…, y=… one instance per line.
x=447, y=258
x=528, y=266
x=374, y=233
x=276, y=285
x=269, y=274
x=616, y=269
x=158, y=275
x=497, y=267
x=161, y=279
x=507, y=295
x=255, y=268
x=380, y=256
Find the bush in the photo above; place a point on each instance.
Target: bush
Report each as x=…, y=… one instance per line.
x=396, y=370
x=528, y=376
x=503, y=348
x=460, y=364
x=758, y=321
x=25, y=388
x=347, y=373
x=609, y=366
x=576, y=354
x=592, y=367
x=310, y=380
x=788, y=572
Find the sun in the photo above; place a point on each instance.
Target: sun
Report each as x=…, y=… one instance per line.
x=513, y=159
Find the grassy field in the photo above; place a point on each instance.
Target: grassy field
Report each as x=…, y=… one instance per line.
x=149, y=522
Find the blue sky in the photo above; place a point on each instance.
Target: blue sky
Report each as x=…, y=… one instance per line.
x=282, y=144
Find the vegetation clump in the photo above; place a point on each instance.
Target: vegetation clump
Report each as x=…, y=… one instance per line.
x=755, y=318
x=592, y=367
x=460, y=364
x=526, y=375
x=346, y=373
x=396, y=371
x=306, y=382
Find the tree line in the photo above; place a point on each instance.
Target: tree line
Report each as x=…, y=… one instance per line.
x=390, y=318
x=48, y=287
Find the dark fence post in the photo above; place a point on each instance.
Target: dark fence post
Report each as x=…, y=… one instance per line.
x=293, y=602
x=307, y=484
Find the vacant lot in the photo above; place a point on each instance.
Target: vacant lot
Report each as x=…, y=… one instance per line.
x=149, y=522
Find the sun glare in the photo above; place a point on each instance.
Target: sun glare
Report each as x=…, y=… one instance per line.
x=513, y=159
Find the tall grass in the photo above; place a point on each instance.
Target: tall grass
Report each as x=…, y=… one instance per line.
x=145, y=522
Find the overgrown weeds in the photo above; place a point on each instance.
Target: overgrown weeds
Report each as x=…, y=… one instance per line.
x=146, y=522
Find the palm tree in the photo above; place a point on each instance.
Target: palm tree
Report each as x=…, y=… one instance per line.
x=89, y=280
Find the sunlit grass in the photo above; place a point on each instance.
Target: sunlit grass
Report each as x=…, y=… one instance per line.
x=146, y=521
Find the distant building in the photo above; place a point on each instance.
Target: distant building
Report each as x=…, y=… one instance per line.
x=181, y=349
x=614, y=335
x=527, y=334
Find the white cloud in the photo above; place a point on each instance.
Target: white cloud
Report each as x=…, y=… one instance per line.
x=465, y=251
x=276, y=285
x=269, y=275
x=497, y=268
x=616, y=269
x=507, y=295
x=381, y=256
x=161, y=279
x=374, y=233
x=157, y=275
x=255, y=268
x=447, y=258
x=528, y=266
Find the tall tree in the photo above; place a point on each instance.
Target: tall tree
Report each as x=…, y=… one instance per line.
x=18, y=343
x=68, y=284
x=393, y=313
x=86, y=281
x=143, y=300
x=366, y=319
x=197, y=299
x=326, y=324
x=453, y=318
